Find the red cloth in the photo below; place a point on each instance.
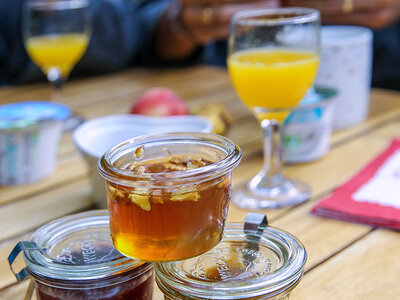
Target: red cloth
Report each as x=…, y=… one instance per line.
x=341, y=206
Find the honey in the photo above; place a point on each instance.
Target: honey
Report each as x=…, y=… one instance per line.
x=168, y=194
x=158, y=224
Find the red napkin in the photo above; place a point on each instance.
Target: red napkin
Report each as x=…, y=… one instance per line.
x=372, y=196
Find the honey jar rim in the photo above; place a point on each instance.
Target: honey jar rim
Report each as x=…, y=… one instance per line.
x=108, y=171
x=110, y=269
x=172, y=278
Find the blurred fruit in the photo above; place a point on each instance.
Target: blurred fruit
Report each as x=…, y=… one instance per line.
x=217, y=114
x=159, y=102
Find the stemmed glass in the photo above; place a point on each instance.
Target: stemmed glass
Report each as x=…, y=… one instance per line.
x=56, y=35
x=273, y=59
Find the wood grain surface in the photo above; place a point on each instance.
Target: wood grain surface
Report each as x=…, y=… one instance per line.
x=345, y=260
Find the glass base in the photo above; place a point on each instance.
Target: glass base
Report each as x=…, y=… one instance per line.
x=275, y=192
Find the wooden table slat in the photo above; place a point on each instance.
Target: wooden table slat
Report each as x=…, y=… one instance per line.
x=368, y=270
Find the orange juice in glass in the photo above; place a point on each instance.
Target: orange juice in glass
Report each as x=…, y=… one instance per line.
x=56, y=35
x=272, y=60
x=60, y=51
x=272, y=78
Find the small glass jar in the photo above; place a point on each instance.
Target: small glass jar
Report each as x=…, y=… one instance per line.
x=168, y=194
x=74, y=258
x=260, y=263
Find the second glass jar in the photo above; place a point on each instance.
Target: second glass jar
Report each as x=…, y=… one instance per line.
x=263, y=263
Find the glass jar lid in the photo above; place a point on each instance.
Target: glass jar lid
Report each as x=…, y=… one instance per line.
x=266, y=262
x=77, y=249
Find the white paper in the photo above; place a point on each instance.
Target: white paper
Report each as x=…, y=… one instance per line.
x=384, y=187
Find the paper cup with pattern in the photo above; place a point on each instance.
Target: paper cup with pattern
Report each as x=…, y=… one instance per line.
x=346, y=66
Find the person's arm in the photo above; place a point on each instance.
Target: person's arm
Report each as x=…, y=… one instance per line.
x=161, y=38
x=189, y=24
x=171, y=40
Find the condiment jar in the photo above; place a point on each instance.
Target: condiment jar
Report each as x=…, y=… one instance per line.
x=29, y=135
x=74, y=258
x=254, y=261
x=178, y=210
x=306, y=133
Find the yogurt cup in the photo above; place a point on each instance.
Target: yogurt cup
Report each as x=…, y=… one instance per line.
x=95, y=137
x=29, y=136
x=307, y=131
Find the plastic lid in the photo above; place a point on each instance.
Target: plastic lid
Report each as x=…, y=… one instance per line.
x=316, y=95
x=77, y=248
x=23, y=114
x=241, y=266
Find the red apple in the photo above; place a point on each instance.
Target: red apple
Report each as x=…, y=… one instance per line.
x=159, y=102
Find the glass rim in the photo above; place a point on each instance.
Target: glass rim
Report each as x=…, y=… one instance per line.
x=324, y=94
x=45, y=268
x=280, y=282
x=57, y=4
x=112, y=173
x=303, y=15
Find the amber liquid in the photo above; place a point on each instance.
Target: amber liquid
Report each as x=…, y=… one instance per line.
x=159, y=225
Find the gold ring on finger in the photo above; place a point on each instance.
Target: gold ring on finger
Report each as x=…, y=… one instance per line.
x=207, y=15
x=348, y=6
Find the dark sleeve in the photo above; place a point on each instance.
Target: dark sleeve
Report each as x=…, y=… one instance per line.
x=117, y=36
x=3, y=58
x=13, y=58
x=386, y=68
x=151, y=12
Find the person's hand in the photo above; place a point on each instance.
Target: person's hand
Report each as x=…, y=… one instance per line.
x=207, y=20
x=370, y=13
x=191, y=23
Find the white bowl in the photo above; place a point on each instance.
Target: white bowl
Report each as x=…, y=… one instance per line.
x=95, y=137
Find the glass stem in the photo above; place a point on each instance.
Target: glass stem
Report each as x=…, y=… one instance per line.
x=270, y=176
x=272, y=151
x=55, y=77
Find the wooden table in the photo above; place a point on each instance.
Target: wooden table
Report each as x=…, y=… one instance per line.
x=346, y=261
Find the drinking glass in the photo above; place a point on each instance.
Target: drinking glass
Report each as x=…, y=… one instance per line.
x=56, y=35
x=272, y=60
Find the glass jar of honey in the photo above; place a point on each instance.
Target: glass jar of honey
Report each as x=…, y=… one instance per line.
x=168, y=194
x=251, y=262
x=74, y=258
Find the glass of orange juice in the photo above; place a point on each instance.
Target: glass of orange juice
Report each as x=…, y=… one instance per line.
x=273, y=59
x=56, y=35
